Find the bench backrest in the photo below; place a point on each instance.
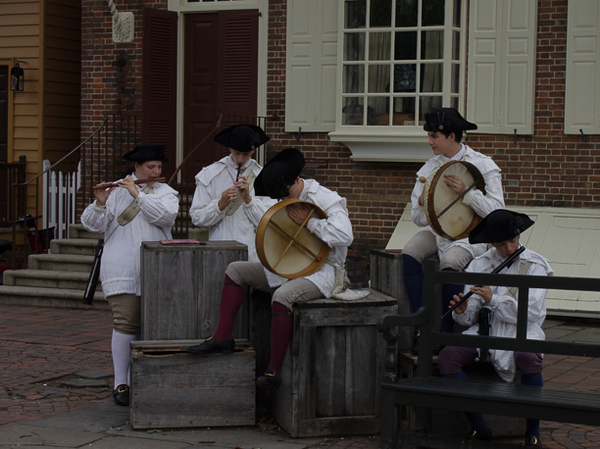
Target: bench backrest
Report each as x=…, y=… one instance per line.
x=428, y=317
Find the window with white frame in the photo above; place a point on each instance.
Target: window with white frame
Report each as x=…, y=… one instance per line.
x=399, y=60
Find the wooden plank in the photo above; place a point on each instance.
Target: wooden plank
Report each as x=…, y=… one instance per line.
x=174, y=389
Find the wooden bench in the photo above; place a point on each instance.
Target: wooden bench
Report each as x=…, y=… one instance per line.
x=428, y=392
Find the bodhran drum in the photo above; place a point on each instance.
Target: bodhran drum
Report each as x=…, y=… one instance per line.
x=453, y=221
x=287, y=248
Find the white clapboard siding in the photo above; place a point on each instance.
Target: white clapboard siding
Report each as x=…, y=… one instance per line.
x=311, y=65
x=60, y=199
x=582, y=105
x=566, y=237
x=502, y=38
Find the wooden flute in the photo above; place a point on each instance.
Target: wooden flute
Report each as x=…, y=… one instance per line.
x=137, y=181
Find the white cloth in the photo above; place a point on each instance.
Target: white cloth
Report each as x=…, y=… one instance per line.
x=480, y=203
x=335, y=231
x=211, y=182
x=120, y=265
x=504, y=306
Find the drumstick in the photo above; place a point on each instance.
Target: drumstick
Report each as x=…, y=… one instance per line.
x=496, y=270
x=458, y=198
x=137, y=181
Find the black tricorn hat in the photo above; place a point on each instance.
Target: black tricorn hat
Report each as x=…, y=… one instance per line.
x=147, y=152
x=243, y=138
x=499, y=226
x=279, y=174
x=446, y=119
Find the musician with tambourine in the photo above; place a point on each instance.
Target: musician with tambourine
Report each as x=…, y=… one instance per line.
x=478, y=197
x=501, y=229
x=310, y=223
x=218, y=202
x=127, y=213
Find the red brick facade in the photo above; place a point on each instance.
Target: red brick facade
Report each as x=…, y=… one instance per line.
x=546, y=169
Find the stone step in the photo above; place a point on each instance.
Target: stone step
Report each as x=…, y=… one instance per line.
x=77, y=231
x=76, y=280
x=15, y=295
x=60, y=262
x=77, y=246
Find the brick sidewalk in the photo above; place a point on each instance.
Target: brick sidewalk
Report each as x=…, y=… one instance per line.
x=43, y=348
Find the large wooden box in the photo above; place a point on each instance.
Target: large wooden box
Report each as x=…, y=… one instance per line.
x=181, y=289
x=332, y=370
x=171, y=388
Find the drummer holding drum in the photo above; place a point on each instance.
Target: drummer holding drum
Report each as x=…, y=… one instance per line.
x=470, y=187
x=317, y=211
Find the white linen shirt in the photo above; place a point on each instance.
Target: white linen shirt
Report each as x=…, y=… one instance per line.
x=120, y=264
x=480, y=203
x=211, y=182
x=504, y=306
x=335, y=231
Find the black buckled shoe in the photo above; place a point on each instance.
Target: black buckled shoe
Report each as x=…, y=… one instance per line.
x=532, y=440
x=121, y=395
x=211, y=344
x=475, y=435
x=269, y=381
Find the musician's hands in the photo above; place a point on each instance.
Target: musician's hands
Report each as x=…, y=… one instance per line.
x=484, y=291
x=297, y=212
x=243, y=188
x=227, y=197
x=455, y=183
x=462, y=307
x=129, y=184
x=101, y=194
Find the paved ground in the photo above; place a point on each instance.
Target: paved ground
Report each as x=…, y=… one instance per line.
x=55, y=372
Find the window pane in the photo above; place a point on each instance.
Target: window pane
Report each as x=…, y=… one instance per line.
x=405, y=45
x=431, y=77
x=454, y=103
x=352, y=111
x=379, y=47
x=455, y=45
x=381, y=13
x=379, y=78
x=353, y=79
x=354, y=47
x=428, y=104
x=407, y=13
x=404, y=110
x=433, y=12
x=456, y=16
x=355, y=13
x=455, y=78
x=377, y=111
x=405, y=78
x=432, y=44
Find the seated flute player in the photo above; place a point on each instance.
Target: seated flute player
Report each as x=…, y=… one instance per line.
x=501, y=228
x=445, y=128
x=280, y=179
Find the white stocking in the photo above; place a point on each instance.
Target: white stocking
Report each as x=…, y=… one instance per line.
x=121, y=353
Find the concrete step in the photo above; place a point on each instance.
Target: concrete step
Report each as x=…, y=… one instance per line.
x=77, y=231
x=15, y=295
x=60, y=262
x=78, y=246
x=76, y=280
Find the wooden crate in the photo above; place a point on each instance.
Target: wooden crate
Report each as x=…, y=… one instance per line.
x=332, y=370
x=171, y=388
x=181, y=289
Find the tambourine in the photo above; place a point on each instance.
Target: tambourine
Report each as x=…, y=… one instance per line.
x=287, y=248
x=447, y=215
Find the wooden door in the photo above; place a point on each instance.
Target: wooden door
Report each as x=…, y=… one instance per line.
x=220, y=76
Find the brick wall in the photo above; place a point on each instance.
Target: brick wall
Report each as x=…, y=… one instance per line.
x=546, y=169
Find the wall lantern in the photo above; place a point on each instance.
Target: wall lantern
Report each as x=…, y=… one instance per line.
x=17, y=77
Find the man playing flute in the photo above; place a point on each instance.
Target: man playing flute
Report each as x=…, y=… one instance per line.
x=502, y=228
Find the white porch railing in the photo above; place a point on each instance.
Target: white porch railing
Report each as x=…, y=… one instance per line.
x=60, y=199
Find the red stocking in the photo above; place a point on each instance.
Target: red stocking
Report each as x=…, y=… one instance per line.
x=231, y=300
x=281, y=333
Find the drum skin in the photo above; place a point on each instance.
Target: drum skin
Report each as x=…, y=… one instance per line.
x=460, y=219
x=287, y=248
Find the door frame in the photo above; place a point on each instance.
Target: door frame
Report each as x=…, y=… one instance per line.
x=210, y=7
